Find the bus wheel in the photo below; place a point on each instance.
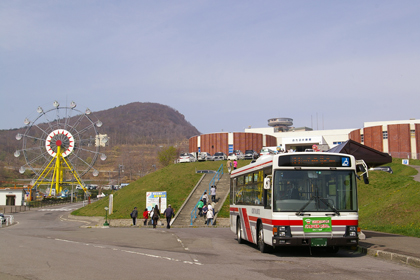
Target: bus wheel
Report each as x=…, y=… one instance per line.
x=238, y=231
x=260, y=241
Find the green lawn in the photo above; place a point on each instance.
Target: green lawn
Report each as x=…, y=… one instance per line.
x=390, y=203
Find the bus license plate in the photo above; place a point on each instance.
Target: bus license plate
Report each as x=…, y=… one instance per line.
x=318, y=242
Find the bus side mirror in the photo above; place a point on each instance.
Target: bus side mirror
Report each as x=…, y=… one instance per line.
x=267, y=183
x=365, y=179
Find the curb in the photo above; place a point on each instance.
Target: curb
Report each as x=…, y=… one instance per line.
x=389, y=256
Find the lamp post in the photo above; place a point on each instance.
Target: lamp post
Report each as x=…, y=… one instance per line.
x=106, y=224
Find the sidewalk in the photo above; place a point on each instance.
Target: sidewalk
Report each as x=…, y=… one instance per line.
x=392, y=247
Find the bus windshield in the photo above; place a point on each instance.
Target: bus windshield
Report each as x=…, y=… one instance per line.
x=303, y=191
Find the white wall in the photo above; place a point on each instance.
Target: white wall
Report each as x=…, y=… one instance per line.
x=18, y=193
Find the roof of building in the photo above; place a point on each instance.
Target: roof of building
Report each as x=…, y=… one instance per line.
x=371, y=156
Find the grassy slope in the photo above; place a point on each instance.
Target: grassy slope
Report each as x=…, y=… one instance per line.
x=391, y=202
x=177, y=180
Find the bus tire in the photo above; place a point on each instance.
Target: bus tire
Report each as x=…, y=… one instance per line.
x=260, y=239
x=238, y=231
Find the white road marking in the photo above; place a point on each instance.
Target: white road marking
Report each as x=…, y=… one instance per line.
x=195, y=262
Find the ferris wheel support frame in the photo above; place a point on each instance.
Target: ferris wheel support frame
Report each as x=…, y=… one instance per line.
x=57, y=178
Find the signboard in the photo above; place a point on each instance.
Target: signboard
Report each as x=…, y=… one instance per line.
x=156, y=198
x=405, y=162
x=322, y=224
x=314, y=160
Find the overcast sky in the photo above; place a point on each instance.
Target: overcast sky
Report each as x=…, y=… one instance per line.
x=225, y=65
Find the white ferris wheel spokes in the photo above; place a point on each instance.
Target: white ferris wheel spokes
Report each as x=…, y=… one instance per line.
x=62, y=128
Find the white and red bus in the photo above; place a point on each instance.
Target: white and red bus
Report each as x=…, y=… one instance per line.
x=297, y=199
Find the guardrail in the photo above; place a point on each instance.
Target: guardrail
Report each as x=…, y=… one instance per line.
x=217, y=177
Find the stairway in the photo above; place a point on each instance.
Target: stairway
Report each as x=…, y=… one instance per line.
x=222, y=188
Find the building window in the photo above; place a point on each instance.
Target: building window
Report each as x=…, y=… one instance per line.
x=385, y=134
x=413, y=133
x=362, y=138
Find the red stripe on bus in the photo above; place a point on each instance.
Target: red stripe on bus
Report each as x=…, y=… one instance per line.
x=252, y=167
x=246, y=223
x=300, y=222
x=234, y=209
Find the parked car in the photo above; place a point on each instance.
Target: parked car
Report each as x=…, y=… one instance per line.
x=383, y=168
x=186, y=157
x=251, y=154
x=209, y=156
x=239, y=154
x=201, y=156
x=2, y=218
x=232, y=156
x=219, y=156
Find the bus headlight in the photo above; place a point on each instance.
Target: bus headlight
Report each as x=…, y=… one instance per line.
x=351, y=231
x=282, y=231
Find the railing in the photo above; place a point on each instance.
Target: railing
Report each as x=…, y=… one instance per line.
x=217, y=177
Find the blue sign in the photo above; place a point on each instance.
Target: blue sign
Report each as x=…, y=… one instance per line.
x=230, y=148
x=345, y=161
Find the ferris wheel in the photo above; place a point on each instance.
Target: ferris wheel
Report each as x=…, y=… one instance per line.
x=60, y=145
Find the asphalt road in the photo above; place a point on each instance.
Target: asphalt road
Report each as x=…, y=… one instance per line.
x=47, y=245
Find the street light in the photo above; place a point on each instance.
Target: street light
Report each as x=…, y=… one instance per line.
x=106, y=224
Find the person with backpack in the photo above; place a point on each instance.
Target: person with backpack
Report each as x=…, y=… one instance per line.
x=155, y=216
x=133, y=215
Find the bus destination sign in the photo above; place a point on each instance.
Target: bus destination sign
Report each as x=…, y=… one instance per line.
x=314, y=160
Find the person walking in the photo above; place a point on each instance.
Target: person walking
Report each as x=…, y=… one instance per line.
x=205, y=198
x=145, y=216
x=235, y=164
x=213, y=193
x=210, y=216
x=205, y=209
x=200, y=205
x=229, y=166
x=156, y=215
x=133, y=215
x=169, y=214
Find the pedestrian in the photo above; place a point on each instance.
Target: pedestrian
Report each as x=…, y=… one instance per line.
x=213, y=193
x=151, y=214
x=229, y=166
x=200, y=205
x=210, y=216
x=155, y=216
x=205, y=198
x=205, y=209
x=169, y=214
x=133, y=215
x=235, y=164
x=145, y=216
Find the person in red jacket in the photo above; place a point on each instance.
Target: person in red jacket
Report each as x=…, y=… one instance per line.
x=145, y=216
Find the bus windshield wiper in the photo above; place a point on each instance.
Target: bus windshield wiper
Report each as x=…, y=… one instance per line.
x=325, y=201
x=299, y=213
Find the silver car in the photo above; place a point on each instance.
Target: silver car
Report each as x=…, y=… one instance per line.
x=220, y=156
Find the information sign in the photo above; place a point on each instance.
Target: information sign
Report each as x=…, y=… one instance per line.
x=156, y=198
x=313, y=224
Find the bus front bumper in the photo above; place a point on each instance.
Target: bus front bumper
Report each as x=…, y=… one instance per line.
x=315, y=242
